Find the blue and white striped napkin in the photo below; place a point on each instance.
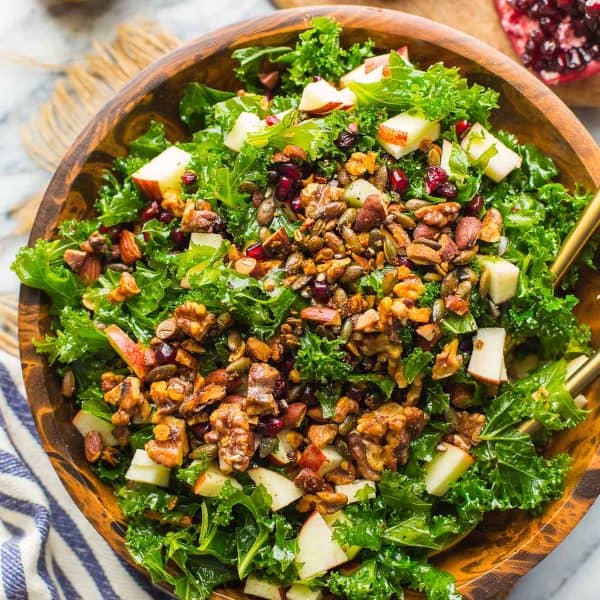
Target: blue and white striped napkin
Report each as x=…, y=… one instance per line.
x=48, y=550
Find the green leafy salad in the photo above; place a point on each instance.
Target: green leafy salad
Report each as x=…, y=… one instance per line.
x=315, y=342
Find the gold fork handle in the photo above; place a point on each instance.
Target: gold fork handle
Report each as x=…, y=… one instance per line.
x=577, y=239
x=584, y=376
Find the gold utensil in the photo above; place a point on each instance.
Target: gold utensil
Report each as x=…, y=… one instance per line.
x=572, y=246
x=574, y=243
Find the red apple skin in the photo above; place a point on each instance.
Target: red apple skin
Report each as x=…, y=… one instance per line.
x=149, y=188
x=131, y=352
x=326, y=108
x=312, y=458
x=382, y=60
x=294, y=415
x=393, y=136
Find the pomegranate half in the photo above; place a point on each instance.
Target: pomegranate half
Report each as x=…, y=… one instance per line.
x=559, y=40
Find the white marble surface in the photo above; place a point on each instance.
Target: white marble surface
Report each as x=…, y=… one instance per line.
x=61, y=35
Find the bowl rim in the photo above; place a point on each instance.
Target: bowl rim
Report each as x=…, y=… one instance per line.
x=294, y=20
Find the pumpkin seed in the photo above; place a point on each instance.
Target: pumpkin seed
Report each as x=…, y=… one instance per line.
x=68, y=384
x=449, y=284
x=209, y=451
x=241, y=365
x=438, y=311
x=346, y=331
x=464, y=290
x=484, y=283
x=352, y=273
x=390, y=251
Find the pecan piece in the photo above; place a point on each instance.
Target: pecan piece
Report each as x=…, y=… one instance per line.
x=438, y=215
x=170, y=443
x=194, y=320
x=198, y=219
x=322, y=435
x=127, y=288
x=360, y=163
x=358, y=450
x=262, y=379
x=447, y=362
x=231, y=430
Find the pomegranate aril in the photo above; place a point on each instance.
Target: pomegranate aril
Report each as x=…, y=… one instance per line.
x=573, y=60
x=284, y=188
x=256, y=251
x=402, y=261
x=474, y=207
x=548, y=48
x=165, y=217
x=165, y=354
x=189, y=178
x=290, y=170
x=434, y=177
x=399, y=181
x=461, y=127
x=321, y=291
x=288, y=365
x=151, y=211
x=296, y=204
x=448, y=191
x=272, y=120
x=180, y=238
x=270, y=426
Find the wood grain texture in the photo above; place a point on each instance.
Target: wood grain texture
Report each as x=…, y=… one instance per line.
x=477, y=18
x=506, y=546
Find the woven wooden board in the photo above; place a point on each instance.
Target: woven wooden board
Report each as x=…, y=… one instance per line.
x=477, y=18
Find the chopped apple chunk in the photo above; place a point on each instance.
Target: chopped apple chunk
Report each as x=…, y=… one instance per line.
x=317, y=550
x=320, y=97
x=163, y=173
x=487, y=359
x=210, y=482
x=501, y=161
x=449, y=463
x=504, y=277
x=246, y=123
x=86, y=422
x=283, y=491
x=144, y=470
x=358, y=191
x=263, y=589
x=303, y=592
x=403, y=134
x=354, y=491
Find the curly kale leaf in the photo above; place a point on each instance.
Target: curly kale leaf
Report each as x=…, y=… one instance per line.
x=439, y=93
x=76, y=337
x=42, y=267
x=319, y=52
x=197, y=102
x=321, y=360
x=253, y=61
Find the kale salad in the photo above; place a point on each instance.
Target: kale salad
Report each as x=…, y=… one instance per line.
x=314, y=343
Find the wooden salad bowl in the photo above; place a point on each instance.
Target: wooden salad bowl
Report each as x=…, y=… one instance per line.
x=506, y=545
